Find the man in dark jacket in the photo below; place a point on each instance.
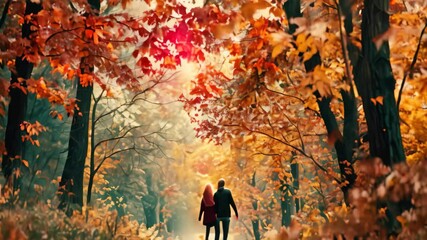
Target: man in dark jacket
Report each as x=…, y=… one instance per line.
x=223, y=199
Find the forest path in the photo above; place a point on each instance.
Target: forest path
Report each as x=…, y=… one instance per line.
x=198, y=233
x=191, y=229
x=201, y=236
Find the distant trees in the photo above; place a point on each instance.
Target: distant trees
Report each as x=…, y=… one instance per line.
x=117, y=133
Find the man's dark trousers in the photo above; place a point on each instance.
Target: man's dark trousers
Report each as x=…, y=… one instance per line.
x=225, y=225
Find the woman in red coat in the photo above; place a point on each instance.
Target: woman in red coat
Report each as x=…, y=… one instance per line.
x=207, y=206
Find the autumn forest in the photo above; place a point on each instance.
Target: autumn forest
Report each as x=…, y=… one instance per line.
x=115, y=114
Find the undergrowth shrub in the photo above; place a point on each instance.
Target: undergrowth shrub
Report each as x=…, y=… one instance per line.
x=43, y=221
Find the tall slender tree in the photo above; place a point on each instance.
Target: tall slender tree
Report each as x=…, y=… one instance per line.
x=71, y=185
x=346, y=142
x=18, y=104
x=376, y=84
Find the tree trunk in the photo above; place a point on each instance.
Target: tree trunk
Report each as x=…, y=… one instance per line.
x=92, y=170
x=293, y=10
x=150, y=201
x=286, y=207
x=375, y=83
x=295, y=185
x=255, y=222
x=255, y=227
x=344, y=143
x=71, y=185
x=17, y=109
x=286, y=192
x=374, y=80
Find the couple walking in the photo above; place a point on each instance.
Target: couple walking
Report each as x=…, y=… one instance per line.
x=216, y=209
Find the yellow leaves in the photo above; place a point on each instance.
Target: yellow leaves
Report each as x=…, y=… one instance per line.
x=70, y=74
x=277, y=12
x=305, y=45
x=56, y=114
x=335, y=71
x=401, y=220
x=406, y=19
x=260, y=24
x=225, y=30
x=169, y=63
x=94, y=34
x=280, y=41
x=331, y=48
x=260, y=44
x=25, y=163
x=278, y=49
x=33, y=130
x=110, y=93
x=290, y=233
x=235, y=49
x=279, y=38
x=110, y=47
x=86, y=79
x=63, y=69
x=379, y=100
x=249, y=9
x=301, y=42
x=315, y=216
x=315, y=184
x=341, y=210
x=327, y=80
x=95, y=38
x=321, y=83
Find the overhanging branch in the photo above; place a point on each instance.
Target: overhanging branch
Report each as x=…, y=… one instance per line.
x=4, y=14
x=411, y=68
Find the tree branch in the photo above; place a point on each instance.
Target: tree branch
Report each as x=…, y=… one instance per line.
x=134, y=99
x=297, y=128
x=301, y=151
x=4, y=14
x=116, y=138
x=344, y=47
x=64, y=31
x=285, y=95
x=411, y=68
x=110, y=155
